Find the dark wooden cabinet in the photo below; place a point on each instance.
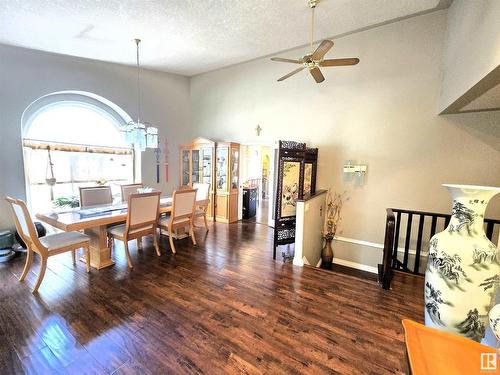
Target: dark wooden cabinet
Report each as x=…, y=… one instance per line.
x=249, y=202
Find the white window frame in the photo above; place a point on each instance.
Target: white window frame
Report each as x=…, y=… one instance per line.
x=86, y=99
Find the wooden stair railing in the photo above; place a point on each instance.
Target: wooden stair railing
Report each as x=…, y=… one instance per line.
x=425, y=230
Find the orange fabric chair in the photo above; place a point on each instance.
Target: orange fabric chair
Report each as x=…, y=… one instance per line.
x=434, y=352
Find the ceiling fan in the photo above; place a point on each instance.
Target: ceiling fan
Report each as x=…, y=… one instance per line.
x=314, y=60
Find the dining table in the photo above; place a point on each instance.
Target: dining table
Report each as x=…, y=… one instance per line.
x=94, y=222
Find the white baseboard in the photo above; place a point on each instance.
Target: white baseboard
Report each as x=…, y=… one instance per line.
x=358, y=266
x=359, y=242
x=375, y=245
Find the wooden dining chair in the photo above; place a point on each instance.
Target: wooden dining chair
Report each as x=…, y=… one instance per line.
x=95, y=195
x=181, y=216
x=47, y=246
x=202, y=201
x=142, y=220
x=129, y=189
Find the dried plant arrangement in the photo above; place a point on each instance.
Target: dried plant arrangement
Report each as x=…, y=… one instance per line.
x=333, y=217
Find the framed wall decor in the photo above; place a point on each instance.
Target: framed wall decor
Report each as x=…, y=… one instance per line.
x=310, y=171
x=307, y=179
x=290, y=187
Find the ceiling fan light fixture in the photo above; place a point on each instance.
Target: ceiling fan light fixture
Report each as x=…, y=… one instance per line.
x=315, y=59
x=313, y=3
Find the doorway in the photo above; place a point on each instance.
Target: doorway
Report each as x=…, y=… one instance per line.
x=257, y=167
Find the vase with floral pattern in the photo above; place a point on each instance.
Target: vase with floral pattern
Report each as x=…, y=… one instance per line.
x=494, y=316
x=463, y=268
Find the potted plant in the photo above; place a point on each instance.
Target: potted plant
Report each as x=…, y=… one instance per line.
x=66, y=202
x=333, y=217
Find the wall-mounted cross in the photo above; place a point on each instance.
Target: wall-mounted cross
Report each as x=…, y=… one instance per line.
x=258, y=129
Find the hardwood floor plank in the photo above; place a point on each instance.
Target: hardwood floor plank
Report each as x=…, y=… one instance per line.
x=43, y=362
x=222, y=307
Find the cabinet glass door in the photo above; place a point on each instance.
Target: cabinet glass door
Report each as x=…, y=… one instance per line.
x=234, y=168
x=195, y=156
x=222, y=155
x=206, y=154
x=185, y=167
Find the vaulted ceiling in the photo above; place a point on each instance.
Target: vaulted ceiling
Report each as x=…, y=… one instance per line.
x=188, y=36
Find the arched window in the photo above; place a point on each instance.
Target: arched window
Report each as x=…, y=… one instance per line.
x=72, y=140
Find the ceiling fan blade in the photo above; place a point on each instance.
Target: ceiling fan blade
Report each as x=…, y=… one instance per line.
x=339, y=62
x=281, y=59
x=291, y=74
x=322, y=49
x=317, y=75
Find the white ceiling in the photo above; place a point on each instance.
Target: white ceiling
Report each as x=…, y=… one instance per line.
x=187, y=36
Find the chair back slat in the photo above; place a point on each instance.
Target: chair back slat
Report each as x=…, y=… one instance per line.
x=183, y=204
x=24, y=223
x=143, y=209
x=202, y=191
x=95, y=195
x=129, y=189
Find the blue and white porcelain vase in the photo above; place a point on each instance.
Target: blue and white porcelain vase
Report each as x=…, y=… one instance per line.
x=494, y=316
x=463, y=267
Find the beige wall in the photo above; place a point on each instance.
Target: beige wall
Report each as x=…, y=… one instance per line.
x=472, y=47
x=382, y=112
x=27, y=75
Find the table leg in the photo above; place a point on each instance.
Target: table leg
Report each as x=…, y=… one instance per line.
x=100, y=253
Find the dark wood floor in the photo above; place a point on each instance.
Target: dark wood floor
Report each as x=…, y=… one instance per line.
x=261, y=214
x=224, y=307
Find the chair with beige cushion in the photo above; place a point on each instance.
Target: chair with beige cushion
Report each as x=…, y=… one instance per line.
x=202, y=201
x=142, y=220
x=181, y=216
x=95, y=195
x=129, y=189
x=47, y=246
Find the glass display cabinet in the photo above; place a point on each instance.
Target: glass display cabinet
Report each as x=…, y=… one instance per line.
x=197, y=166
x=227, y=181
x=216, y=164
x=222, y=156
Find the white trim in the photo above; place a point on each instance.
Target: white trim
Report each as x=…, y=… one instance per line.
x=103, y=105
x=376, y=245
x=359, y=242
x=299, y=262
x=358, y=266
x=299, y=234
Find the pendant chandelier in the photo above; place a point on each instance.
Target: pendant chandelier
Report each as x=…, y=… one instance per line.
x=138, y=133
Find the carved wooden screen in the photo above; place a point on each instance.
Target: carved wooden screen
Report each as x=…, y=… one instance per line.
x=310, y=170
x=290, y=187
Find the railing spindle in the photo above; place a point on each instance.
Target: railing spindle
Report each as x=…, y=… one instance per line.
x=396, y=240
x=407, y=241
x=446, y=222
x=433, y=226
x=489, y=230
x=385, y=268
x=419, y=243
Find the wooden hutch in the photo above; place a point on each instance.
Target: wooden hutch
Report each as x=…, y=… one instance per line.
x=217, y=164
